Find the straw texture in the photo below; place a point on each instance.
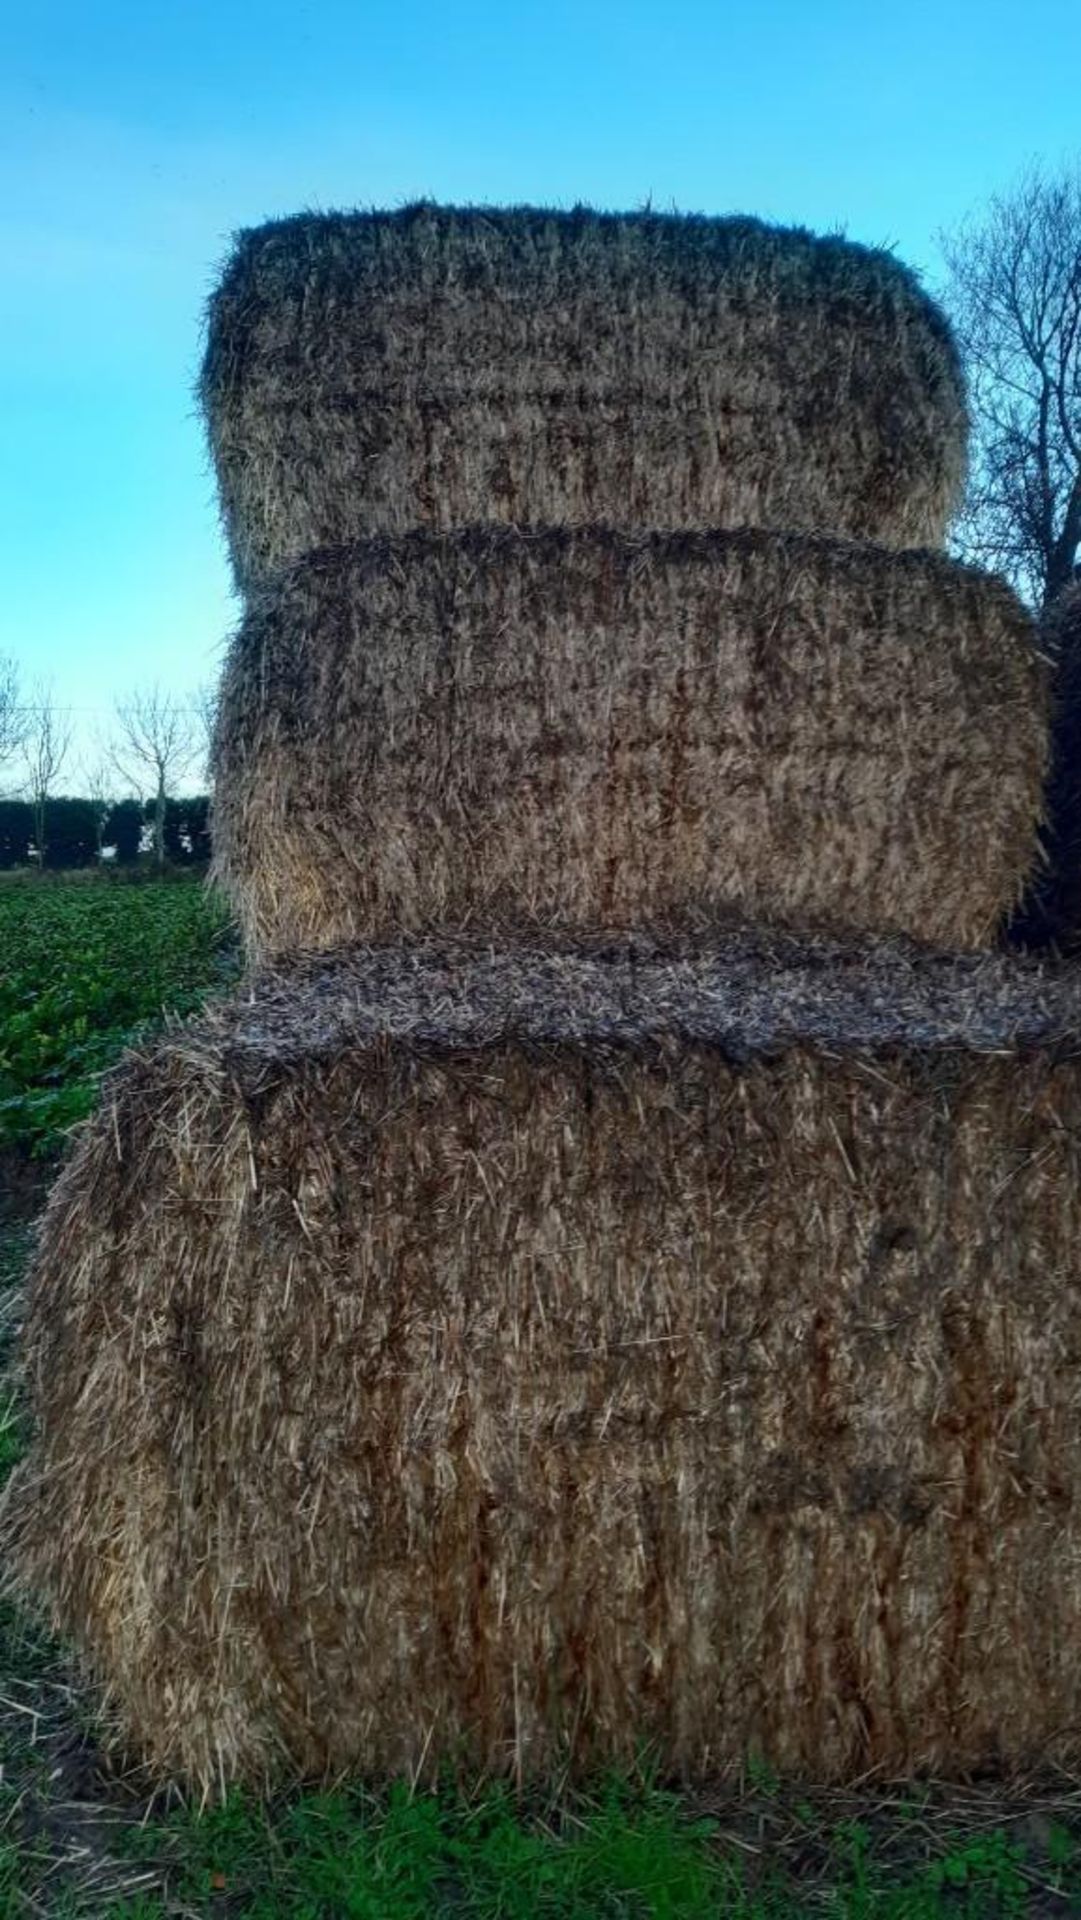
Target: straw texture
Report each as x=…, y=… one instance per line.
x=438, y=366
x=506, y=1358
x=573, y=729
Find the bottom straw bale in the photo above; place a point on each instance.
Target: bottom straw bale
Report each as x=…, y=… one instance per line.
x=515, y=1359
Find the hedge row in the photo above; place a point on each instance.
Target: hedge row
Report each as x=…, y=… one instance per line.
x=77, y=831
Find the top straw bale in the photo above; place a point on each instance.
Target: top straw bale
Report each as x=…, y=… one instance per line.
x=438, y=366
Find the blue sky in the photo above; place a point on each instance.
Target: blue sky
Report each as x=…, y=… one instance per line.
x=135, y=138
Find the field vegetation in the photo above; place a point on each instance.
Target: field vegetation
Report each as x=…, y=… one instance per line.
x=84, y=966
x=87, y=964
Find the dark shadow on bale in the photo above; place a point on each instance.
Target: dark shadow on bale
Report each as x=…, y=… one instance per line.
x=435, y=366
x=589, y=728
x=511, y=1358
x=1050, y=913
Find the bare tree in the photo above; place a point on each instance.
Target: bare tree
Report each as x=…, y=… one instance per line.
x=154, y=748
x=205, y=709
x=98, y=782
x=45, y=747
x=12, y=715
x=1014, y=292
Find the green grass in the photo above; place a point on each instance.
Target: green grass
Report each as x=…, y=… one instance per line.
x=85, y=968
x=626, y=1853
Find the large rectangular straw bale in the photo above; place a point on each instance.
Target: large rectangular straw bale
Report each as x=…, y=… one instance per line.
x=517, y=1358
x=590, y=728
x=439, y=366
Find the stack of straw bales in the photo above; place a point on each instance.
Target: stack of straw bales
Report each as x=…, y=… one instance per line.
x=426, y=725
x=543, y=1314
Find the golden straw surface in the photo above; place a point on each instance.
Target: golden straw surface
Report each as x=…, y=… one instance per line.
x=588, y=728
x=508, y=1358
x=438, y=366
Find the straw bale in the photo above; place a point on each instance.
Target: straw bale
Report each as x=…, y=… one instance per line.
x=1050, y=912
x=510, y=1358
x=438, y=366
x=574, y=729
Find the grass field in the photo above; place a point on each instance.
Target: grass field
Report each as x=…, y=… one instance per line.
x=81, y=968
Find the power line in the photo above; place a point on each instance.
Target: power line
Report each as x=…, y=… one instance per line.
x=178, y=706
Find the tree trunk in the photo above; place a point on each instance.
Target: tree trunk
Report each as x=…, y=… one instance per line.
x=159, y=824
x=1062, y=559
